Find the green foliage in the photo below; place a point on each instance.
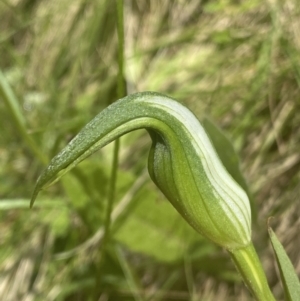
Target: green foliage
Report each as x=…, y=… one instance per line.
x=166, y=241
x=14, y=109
x=288, y=276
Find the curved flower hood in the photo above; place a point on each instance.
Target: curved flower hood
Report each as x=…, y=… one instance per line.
x=182, y=163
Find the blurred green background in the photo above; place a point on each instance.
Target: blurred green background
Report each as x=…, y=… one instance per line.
x=236, y=62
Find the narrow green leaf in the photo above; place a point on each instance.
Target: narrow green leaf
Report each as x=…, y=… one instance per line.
x=288, y=276
x=132, y=280
x=14, y=108
x=229, y=157
x=10, y=204
x=9, y=98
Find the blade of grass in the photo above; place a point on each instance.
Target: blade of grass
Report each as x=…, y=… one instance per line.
x=189, y=277
x=9, y=204
x=162, y=293
x=12, y=104
x=128, y=272
x=288, y=276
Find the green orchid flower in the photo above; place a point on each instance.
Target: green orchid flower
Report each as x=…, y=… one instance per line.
x=184, y=165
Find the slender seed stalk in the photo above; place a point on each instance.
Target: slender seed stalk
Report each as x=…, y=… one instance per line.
x=249, y=266
x=120, y=29
x=114, y=171
x=111, y=190
x=121, y=93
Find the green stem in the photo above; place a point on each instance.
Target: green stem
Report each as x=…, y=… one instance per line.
x=121, y=93
x=120, y=29
x=113, y=178
x=111, y=192
x=249, y=266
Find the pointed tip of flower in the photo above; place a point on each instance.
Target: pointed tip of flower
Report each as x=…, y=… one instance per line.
x=34, y=196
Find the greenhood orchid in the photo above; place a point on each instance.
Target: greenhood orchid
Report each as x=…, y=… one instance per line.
x=182, y=163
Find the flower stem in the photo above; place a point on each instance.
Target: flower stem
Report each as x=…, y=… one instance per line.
x=250, y=268
x=121, y=93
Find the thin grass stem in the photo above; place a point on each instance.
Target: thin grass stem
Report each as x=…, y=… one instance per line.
x=116, y=147
x=12, y=104
x=121, y=93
